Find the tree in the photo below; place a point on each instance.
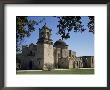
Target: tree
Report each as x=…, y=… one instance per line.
x=91, y=24
x=73, y=23
x=24, y=27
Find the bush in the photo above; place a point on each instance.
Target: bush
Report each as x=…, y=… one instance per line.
x=18, y=66
x=48, y=66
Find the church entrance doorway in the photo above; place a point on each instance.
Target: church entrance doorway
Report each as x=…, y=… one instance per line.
x=30, y=65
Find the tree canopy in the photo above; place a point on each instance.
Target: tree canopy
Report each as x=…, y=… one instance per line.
x=73, y=23
x=24, y=27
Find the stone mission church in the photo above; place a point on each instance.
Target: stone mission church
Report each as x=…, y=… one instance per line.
x=45, y=52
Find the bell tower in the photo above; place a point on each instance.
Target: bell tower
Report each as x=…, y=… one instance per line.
x=44, y=35
x=45, y=32
x=44, y=48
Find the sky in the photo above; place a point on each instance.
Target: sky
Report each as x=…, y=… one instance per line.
x=81, y=43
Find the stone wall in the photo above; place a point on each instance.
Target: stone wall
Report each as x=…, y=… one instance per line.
x=57, y=54
x=65, y=53
x=37, y=56
x=39, y=60
x=88, y=61
x=63, y=63
x=48, y=54
x=70, y=64
x=26, y=62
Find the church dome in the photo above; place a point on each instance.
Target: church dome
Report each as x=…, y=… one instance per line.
x=60, y=43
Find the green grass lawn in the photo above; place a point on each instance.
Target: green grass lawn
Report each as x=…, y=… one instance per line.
x=69, y=71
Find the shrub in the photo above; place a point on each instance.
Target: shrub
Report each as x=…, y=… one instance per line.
x=18, y=66
x=48, y=66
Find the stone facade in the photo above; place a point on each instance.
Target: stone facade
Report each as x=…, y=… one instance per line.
x=88, y=61
x=45, y=52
